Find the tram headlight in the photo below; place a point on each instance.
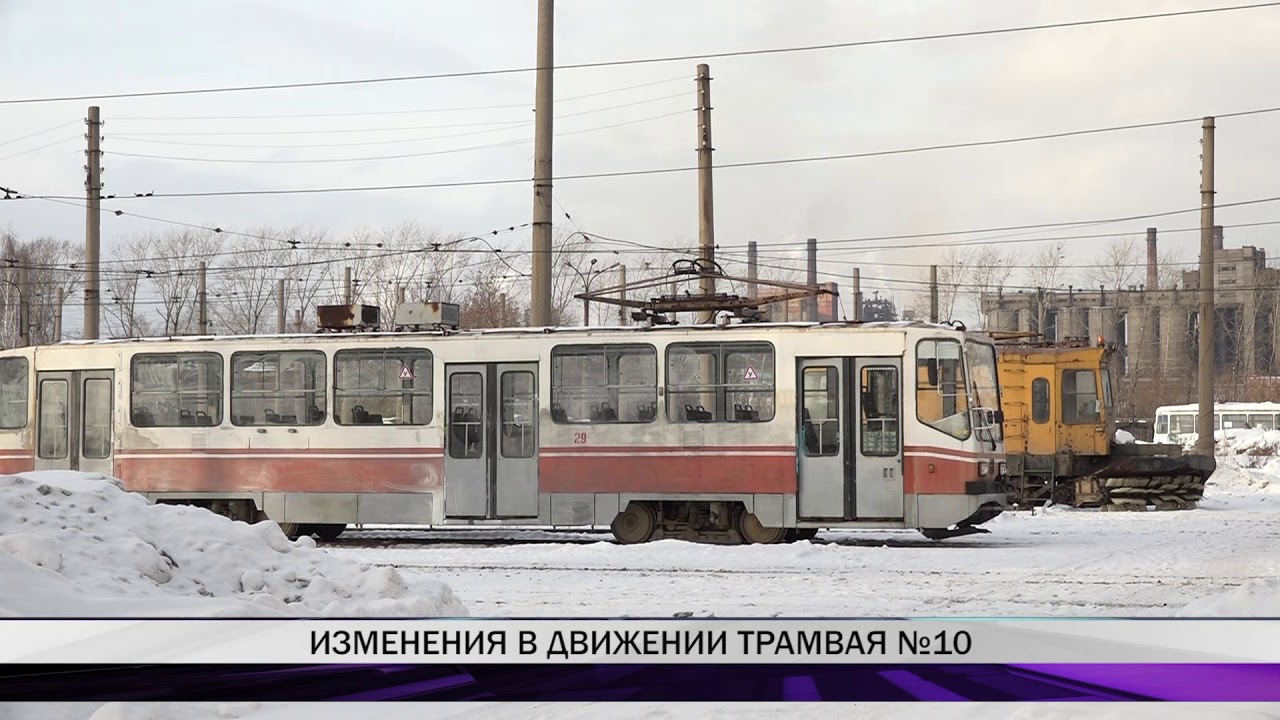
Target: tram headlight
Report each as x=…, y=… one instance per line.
x=1003, y=468
x=984, y=467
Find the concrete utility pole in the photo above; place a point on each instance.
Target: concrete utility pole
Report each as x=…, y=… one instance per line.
x=93, y=225
x=280, y=308
x=811, y=265
x=753, y=269
x=1204, y=424
x=540, y=312
x=706, y=213
x=857, y=295
x=346, y=285
x=933, y=293
x=59, y=297
x=399, y=295
x=622, y=294
x=202, y=298
x=297, y=320
x=24, y=308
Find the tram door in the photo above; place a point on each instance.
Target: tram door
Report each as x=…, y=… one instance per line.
x=849, y=439
x=73, y=421
x=491, y=441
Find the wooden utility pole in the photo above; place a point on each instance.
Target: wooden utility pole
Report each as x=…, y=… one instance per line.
x=280, y=308
x=933, y=293
x=1204, y=424
x=706, y=214
x=753, y=269
x=59, y=297
x=93, y=225
x=811, y=265
x=543, y=106
x=857, y=296
x=622, y=294
x=24, y=308
x=202, y=297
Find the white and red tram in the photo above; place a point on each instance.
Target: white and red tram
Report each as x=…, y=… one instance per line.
x=747, y=433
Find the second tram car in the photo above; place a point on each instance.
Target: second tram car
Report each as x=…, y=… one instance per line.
x=754, y=433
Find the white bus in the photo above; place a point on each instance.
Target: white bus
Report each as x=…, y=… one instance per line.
x=1176, y=423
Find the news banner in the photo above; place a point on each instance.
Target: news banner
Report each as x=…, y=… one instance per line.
x=669, y=659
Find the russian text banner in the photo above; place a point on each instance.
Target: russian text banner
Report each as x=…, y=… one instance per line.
x=686, y=641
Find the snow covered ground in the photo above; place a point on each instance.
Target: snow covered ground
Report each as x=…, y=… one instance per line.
x=78, y=545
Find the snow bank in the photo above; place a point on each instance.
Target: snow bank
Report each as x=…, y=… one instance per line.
x=74, y=544
x=1124, y=437
x=1255, y=598
x=1248, y=462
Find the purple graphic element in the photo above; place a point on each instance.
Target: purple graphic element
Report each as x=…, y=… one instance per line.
x=671, y=683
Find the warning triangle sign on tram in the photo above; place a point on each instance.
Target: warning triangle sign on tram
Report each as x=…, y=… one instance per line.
x=750, y=374
x=406, y=372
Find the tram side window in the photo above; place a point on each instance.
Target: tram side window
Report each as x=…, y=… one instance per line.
x=176, y=390
x=1040, y=401
x=1234, y=422
x=1265, y=422
x=1162, y=424
x=278, y=388
x=604, y=384
x=14, y=395
x=1183, y=424
x=389, y=386
x=720, y=382
x=941, y=400
x=1079, y=397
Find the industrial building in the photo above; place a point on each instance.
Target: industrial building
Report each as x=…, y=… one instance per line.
x=1156, y=329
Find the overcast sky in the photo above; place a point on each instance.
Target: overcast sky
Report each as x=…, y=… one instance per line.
x=765, y=107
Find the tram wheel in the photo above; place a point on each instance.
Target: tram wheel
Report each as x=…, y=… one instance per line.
x=754, y=533
x=635, y=525
x=328, y=531
x=293, y=531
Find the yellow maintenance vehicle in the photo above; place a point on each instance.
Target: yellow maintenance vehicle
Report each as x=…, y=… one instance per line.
x=1060, y=434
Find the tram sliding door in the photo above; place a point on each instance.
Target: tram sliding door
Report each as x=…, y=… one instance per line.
x=73, y=429
x=850, y=439
x=491, y=453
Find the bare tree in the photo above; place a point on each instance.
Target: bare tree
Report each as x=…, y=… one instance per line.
x=173, y=274
x=123, y=310
x=989, y=270
x=1118, y=265
x=953, y=279
x=243, y=286
x=46, y=264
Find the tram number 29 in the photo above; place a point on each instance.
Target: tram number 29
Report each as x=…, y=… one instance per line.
x=579, y=438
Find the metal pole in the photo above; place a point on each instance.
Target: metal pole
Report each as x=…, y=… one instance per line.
x=811, y=261
x=933, y=293
x=399, y=295
x=297, y=320
x=24, y=308
x=59, y=296
x=93, y=226
x=540, y=312
x=706, y=215
x=202, y=297
x=857, y=295
x=280, y=309
x=346, y=285
x=753, y=269
x=1204, y=425
x=622, y=294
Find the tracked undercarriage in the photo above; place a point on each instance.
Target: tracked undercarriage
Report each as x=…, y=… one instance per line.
x=1131, y=477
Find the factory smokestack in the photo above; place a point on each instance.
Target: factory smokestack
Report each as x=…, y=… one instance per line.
x=1153, y=277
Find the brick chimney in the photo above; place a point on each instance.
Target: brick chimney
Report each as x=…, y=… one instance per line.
x=1217, y=237
x=1153, y=280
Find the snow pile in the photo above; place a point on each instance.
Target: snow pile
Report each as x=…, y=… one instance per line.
x=1248, y=462
x=74, y=544
x=1124, y=437
x=1255, y=598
